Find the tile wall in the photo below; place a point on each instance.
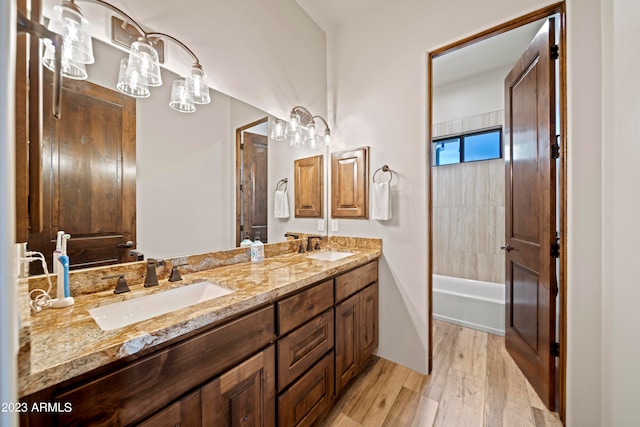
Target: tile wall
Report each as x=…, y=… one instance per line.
x=468, y=209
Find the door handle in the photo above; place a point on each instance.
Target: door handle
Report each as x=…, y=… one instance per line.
x=507, y=248
x=128, y=244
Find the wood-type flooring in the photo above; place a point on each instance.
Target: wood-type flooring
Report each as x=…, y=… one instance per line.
x=474, y=383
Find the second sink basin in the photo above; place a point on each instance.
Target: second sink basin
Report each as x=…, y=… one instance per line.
x=329, y=255
x=127, y=312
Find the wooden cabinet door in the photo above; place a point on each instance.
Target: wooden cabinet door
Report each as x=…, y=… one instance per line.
x=347, y=324
x=350, y=184
x=186, y=412
x=309, y=187
x=368, y=322
x=356, y=333
x=244, y=395
x=309, y=397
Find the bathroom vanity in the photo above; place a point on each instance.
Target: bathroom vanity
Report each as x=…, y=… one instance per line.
x=276, y=351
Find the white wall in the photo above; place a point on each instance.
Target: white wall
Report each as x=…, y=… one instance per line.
x=378, y=97
x=8, y=273
x=621, y=232
x=481, y=93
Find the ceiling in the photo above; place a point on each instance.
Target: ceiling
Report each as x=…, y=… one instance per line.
x=495, y=53
x=329, y=14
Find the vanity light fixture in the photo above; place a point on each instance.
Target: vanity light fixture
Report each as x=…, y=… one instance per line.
x=138, y=72
x=301, y=130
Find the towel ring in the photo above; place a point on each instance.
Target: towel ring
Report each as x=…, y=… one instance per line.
x=282, y=181
x=383, y=169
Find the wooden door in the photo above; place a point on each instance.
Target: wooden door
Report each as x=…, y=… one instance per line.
x=531, y=213
x=254, y=151
x=88, y=175
x=244, y=395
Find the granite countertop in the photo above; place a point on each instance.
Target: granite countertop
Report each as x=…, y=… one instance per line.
x=67, y=342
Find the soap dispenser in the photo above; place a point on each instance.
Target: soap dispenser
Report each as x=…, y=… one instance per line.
x=257, y=249
x=246, y=242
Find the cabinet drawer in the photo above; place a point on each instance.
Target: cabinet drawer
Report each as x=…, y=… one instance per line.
x=299, y=350
x=299, y=308
x=309, y=397
x=351, y=282
x=127, y=395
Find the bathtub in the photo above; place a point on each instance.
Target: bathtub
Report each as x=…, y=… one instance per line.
x=470, y=303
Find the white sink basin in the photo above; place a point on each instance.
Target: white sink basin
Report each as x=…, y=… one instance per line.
x=329, y=255
x=127, y=312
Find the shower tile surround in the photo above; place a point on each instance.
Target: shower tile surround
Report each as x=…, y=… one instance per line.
x=75, y=344
x=468, y=210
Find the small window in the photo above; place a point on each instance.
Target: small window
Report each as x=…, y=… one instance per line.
x=469, y=147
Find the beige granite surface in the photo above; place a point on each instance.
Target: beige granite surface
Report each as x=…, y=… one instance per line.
x=64, y=343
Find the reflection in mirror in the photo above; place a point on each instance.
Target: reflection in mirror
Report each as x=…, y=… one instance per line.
x=184, y=173
x=252, y=192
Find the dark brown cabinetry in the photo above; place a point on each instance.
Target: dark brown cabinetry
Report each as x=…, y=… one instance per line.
x=126, y=395
x=244, y=395
x=356, y=322
x=282, y=364
x=305, y=355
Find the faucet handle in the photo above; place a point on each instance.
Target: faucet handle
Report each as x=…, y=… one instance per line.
x=121, y=286
x=175, y=273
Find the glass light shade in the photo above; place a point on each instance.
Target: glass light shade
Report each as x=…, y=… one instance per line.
x=327, y=138
x=278, y=129
x=312, y=140
x=67, y=20
x=143, y=59
x=197, y=85
x=130, y=82
x=180, y=98
x=296, y=138
x=314, y=144
x=70, y=69
x=294, y=125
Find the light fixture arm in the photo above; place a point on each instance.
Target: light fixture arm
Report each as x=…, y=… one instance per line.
x=117, y=10
x=326, y=125
x=25, y=25
x=156, y=35
x=146, y=35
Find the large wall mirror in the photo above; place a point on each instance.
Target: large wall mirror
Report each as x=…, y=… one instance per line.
x=185, y=173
